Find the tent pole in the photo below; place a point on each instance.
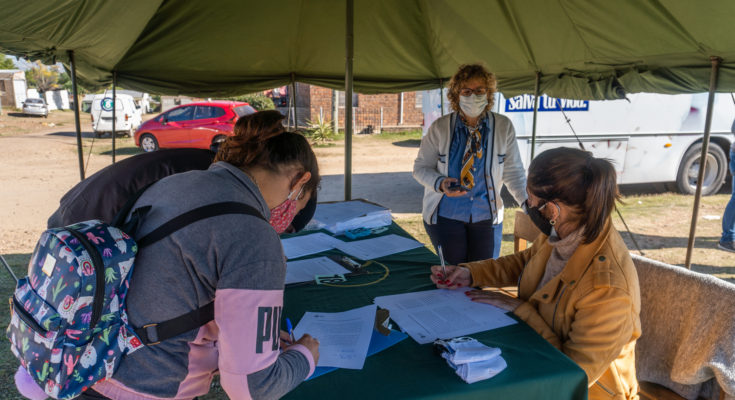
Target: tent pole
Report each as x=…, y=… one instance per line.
x=114, y=108
x=295, y=114
x=349, y=50
x=703, y=157
x=535, y=113
x=76, y=113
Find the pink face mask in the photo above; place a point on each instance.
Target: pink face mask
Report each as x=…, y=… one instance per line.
x=282, y=215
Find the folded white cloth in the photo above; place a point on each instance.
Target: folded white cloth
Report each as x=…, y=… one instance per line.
x=480, y=370
x=472, y=360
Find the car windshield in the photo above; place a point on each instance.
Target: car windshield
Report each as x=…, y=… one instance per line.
x=242, y=111
x=34, y=101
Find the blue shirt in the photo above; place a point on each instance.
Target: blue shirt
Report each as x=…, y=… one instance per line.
x=475, y=205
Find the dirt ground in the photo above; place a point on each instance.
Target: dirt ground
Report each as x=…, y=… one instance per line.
x=39, y=164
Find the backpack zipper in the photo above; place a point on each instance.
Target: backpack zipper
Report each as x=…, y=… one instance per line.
x=27, y=318
x=99, y=271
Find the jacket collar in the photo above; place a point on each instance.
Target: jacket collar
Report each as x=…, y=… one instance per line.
x=577, y=265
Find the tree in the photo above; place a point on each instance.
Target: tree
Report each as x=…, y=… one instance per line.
x=42, y=77
x=258, y=101
x=6, y=63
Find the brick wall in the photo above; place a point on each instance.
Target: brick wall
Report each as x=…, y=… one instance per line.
x=367, y=112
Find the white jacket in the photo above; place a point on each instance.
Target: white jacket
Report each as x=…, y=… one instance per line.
x=502, y=165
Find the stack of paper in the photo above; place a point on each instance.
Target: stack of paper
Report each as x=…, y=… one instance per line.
x=343, y=337
x=347, y=215
x=369, y=249
x=301, y=246
x=305, y=270
x=441, y=314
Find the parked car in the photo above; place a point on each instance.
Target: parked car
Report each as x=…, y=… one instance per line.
x=194, y=125
x=35, y=107
x=128, y=115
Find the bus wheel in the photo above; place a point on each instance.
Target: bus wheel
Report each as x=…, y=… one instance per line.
x=714, y=175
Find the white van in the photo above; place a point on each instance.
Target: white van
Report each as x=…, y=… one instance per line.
x=648, y=137
x=128, y=114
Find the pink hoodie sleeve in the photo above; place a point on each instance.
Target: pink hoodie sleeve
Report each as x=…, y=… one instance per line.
x=250, y=363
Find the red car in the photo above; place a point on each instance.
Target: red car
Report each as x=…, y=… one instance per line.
x=193, y=125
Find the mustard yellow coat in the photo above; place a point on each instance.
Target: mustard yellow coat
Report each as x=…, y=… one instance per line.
x=590, y=311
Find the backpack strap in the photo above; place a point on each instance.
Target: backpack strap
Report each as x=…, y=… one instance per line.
x=152, y=334
x=189, y=217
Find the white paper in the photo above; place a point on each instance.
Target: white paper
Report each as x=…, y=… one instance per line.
x=331, y=213
x=343, y=216
x=368, y=249
x=304, y=270
x=300, y=246
x=442, y=314
x=343, y=337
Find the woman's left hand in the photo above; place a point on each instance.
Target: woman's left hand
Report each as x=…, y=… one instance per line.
x=500, y=300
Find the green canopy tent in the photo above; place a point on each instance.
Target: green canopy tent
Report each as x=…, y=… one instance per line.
x=577, y=49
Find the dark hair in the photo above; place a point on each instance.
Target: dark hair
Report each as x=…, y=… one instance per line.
x=466, y=72
x=579, y=180
x=260, y=141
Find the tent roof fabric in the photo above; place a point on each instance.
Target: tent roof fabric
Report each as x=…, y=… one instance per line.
x=583, y=49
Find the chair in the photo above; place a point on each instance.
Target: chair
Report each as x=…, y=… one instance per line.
x=524, y=231
x=686, y=350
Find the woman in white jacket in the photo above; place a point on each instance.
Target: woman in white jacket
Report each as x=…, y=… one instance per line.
x=464, y=160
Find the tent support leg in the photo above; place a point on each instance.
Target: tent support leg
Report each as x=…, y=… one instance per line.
x=295, y=113
x=535, y=114
x=76, y=113
x=349, y=50
x=114, y=108
x=703, y=157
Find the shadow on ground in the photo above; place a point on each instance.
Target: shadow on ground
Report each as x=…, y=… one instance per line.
x=21, y=115
x=124, y=151
x=85, y=134
x=416, y=143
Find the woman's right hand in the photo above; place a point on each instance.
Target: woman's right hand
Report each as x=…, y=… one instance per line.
x=444, y=187
x=457, y=277
x=312, y=344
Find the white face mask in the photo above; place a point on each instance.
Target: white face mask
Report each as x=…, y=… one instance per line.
x=473, y=105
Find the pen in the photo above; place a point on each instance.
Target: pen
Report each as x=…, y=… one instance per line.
x=290, y=330
x=441, y=257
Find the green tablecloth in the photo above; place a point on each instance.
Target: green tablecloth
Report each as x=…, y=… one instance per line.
x=536, y=370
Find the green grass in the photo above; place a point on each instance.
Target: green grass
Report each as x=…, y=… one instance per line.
x=414, y=134
x=8, y=362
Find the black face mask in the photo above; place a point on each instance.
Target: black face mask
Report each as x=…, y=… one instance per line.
x=543, y=224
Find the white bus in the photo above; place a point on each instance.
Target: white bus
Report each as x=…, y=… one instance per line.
x=649, y=137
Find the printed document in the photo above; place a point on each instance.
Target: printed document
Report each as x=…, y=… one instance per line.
x=301, y=246
x=442, y=314
x=304, y=270
x=368, y=249
x=343, y=337
x=346, y=215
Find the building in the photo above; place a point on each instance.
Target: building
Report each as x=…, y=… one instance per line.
x=372, y=113
x=12, y=88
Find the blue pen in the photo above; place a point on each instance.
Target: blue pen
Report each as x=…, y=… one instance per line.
x=290, y=330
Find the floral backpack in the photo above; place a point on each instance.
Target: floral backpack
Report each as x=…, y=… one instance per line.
x=69, y=327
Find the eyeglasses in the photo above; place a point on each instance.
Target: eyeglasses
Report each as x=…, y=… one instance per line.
x=468, y=92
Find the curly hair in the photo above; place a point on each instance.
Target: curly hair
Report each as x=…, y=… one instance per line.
x=259, y=140
x=464, y=74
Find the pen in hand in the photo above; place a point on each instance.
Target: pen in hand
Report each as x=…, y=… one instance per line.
x=290, y=330
x=441, y=258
